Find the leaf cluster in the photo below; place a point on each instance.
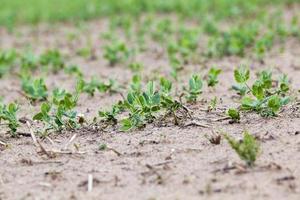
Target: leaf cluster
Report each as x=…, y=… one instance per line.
x=8, y=113
x=247, y=149
x=262, y=96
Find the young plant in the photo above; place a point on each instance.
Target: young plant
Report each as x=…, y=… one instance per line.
x=162, y=30
x=264, y=98
x=29, y=62
x=136, y=84
x=136, y=66
x=241, y=76
x=89, y=87
x=187, y=43
x=86, y=52
x=110, y=116
x=247, y=149
x=194, y=89
x=167, y=101
x=212, y=77
x=7, y=59
x=59, y=113
x=142, y=107
x=74, y=70
x=116, y=52
x=94, y=84
x=212, y=104
x=52, y=59
x=232, y=42
x=263, y=44
x=35, y=89
x=234, y=114
x=8, y=113
x=134, y=121
x=109, y=86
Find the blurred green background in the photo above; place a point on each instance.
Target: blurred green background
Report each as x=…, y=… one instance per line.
x=33, y=11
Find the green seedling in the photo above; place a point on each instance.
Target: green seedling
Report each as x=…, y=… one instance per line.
x=8, y=113
x=212, y=77
x=74, y=70
x=7, y=60
x=59, y=113
x=116, y=52
x=142, y=107
x=94, y=84
x=29, y=62
x=212, y=104
x=136, y=84
x=86, y=52
x=263, y=98
x=194, y=89
x=264, y=44
x=188, y=43
x=52, y=59
x=134, y=121
x=283, y=84
x=35, y=89
x=167, y=101
x=241, y=76
x=234, y=115
x=90, y=87
x=102, y=147
x=44, y=114
x=136, y=66
x=232, y=42
x=162, y=30
x=165, y=86
x=210, y=27
x=183, y=50
x=109, y=86
x=122, y=22
x=110, y=116
x=247, y=149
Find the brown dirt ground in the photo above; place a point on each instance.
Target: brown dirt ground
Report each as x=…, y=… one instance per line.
x=162, y=161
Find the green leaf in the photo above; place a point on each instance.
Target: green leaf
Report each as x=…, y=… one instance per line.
x=38, y=116
x=284, y=83
x=257, y=90
x=265, y=78
x=248, y=103
x=274, y=103
x=126, y=124
x=241, y=89
x=156, y=99
x=241, y=75
x=284, y=101
x=234, y=114
x=213, y=76
x=12, y=108
x=195, y=86
x=45, y=107
x=150, y=88
x=166, y=85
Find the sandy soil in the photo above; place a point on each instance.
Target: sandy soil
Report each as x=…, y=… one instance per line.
x=162, y=161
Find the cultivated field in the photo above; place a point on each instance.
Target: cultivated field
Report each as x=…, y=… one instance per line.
x=160, y=99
